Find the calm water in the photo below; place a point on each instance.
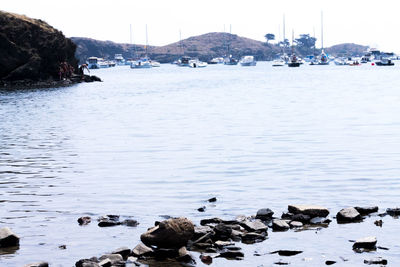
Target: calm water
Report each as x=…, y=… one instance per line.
x=161, y=141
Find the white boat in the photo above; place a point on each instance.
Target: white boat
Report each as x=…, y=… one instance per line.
x=119, y=60
x=195, y=63
x=216, y=60
x=230, y=60
x=183, y=61
x=278, y=63
x=340, y=61
x=94, y=62
x=143, y=63
x=248, y=61
x=155, y=64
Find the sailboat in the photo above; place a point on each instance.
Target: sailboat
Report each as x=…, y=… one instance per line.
x=144, y=62
x=293, y=59
x=229, y=59
x=283, y=59
x=323, y=58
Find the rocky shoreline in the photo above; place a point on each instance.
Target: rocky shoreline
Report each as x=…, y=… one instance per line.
x=170, y=242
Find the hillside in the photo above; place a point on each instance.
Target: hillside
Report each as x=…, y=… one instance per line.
x=347, y=49
x=31, y=49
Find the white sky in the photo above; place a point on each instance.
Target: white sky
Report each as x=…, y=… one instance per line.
x=367, y=22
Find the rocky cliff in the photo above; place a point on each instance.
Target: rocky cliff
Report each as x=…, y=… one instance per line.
x=30, y=49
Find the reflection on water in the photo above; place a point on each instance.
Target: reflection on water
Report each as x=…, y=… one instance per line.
x=156, y=142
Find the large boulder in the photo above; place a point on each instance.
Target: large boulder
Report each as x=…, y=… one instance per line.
x=310, y=210
x=8, y=238
x=171, y=233
x=348, y=215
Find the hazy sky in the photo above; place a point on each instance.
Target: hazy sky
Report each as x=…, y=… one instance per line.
x=367, y=22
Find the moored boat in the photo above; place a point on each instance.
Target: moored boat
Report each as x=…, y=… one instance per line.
x=248, y=61
x=196, y=63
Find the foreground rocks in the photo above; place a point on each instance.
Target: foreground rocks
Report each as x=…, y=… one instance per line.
x=8, y=238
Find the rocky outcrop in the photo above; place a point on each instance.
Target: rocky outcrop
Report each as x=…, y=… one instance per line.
x=30, y=49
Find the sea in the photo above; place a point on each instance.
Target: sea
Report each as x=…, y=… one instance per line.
x=147, y=144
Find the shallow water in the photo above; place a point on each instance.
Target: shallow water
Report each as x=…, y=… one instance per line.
x=161, y=141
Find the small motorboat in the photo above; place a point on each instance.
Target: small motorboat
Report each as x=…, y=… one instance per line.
x=293, y=61
x=143, y=63
x=384, y=62
x=195, y=63
x=247, y=61
x=230, y=60
x=278, y=63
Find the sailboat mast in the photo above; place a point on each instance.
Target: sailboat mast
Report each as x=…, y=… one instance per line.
x=322, y=31
x=147, y=41
x=284, y=36
x=180, y=41
x=292, y=42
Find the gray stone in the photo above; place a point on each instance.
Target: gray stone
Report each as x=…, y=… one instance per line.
x=367, y=210
x=114, y=258
x=237, y=255
x=37, y=264
x=87, y=263
x=251, y=238
x=264, y=214
x=287, y=253
x=295, y=224
x=8, y=238
x=301, y=218
x=210, y=221
x=366, y=243
x=310, y=210
x=184, y=256
x=254, y=226
x=141, y=250
x=171, y=233
x=280, y=225
x=222, y=232
x=105, y=263
x=348, y=215
x=123, y=251
x=84, y=220
x=130, y=223
x=378, y=260
x=393, y=212
x=200, y=231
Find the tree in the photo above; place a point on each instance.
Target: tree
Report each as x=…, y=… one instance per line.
x=305, y=44
x=269, y=36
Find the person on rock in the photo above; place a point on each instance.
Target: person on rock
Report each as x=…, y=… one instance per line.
x=81, y=70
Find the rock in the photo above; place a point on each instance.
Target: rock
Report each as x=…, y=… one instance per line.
x=254, y=226
x=142, y=250
x=251, y=238
x=367, y=210
x=210, y=221
x=264, y=214
x=171, y=233
x=206, y=259
x=222, y=232
x=287, y=216
x=310, y=210
x=301, y=218
x=233, y=248
x=366, y=242
x=378, y=223
x=202, y=209
x=348, y=215
x=123, y=251
x=281, y=262
x=393, y=212
x=84, y=220
x=237, y=255
x=62, y=246
x=222, y=244
x=320, y=220
x=37, y=264
x=295, y=224
x=108, y=223
x=105, y=263
x=328, y=262
x=87, y=263
x=200, y=231
x=130, y=223
x=211, y=250
x=236, y=235
x=8, y=238
x=280, y=225
x=377, y=260
x=164, y=253
x=213, y=199
x=115, y=259
x=287, y=252
x=203, y=245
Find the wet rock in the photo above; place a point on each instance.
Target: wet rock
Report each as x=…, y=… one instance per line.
x=301, y=218
x=287, y=252
x=222, y=232
x=123, y=251
x=287, y=216
x=281, y=262
x=221, y=244
x=115, y=259
x=251, y=238
x=8, y=238
x=366, y=210
x=202, y=209
x=264, y=214
x=295, y=224
x=377, y=260
x=236, y=255
x=164, y=253
x=200, y=231
x=213, y=199
x=366, y=243
x=280, y=225
x=233, y=248
x=348, y=215
x=241, y=218
x=171, y=233
x=236, y=235
x=206, y=259
x=378, y=223
x=108, y=223
x=130, y=223
x=310, y=210
x=320, y=220
x=93, y=262
x=203, y=245
x=393, y=212
x=142, y=250
x=330, y=262
x=211, y=250
x=210, y=221
x=84, y=220
x=37, y=264
x=105, y=263
x=254, y=226
x=62, y=246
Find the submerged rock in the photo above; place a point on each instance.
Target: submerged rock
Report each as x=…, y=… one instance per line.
x=287, y=252
x=378, y=260
x=328, y=262
x=8, y=238
x=310, y=210
x=348, y=215
x=171, y=233
x=366, y=243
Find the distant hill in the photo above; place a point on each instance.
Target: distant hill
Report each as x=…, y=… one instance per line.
x=205, y=47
